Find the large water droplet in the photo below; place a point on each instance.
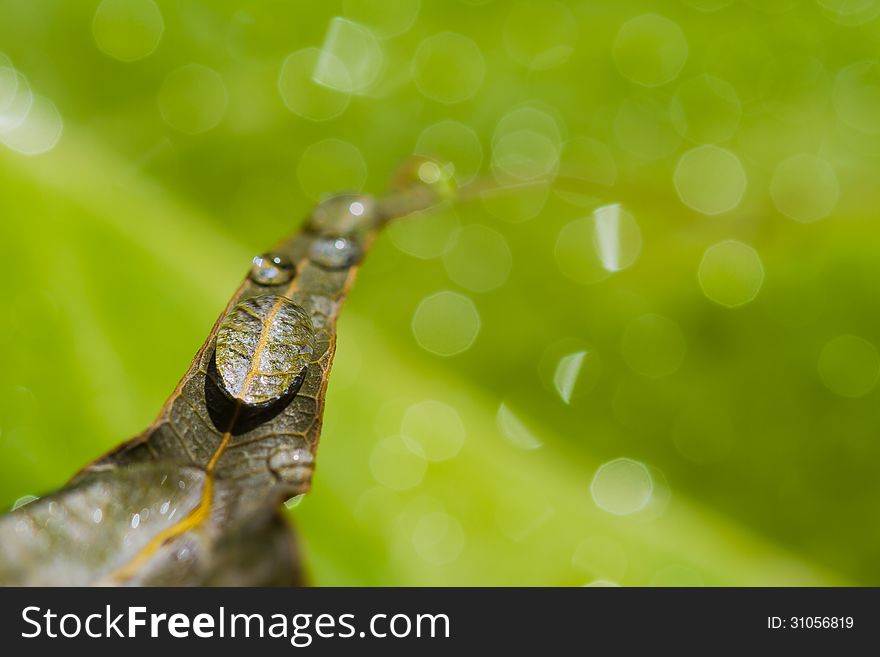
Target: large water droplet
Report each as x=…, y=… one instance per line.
x=272, y=269
x=334, y=252
x=264, y=346
x=343, y=214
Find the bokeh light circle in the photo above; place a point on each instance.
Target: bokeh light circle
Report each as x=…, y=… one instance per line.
x=731, y=273
x=128, y=30
x=804, y=188
x=849, y=366
x=710, y=179
x=622, y=486
x=650, y=50
x=446, y=323
x=448, y=68
x=302, y=95
x=193, y=99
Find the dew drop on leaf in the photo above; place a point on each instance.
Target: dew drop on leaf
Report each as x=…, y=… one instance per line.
x=272, y=269
x=264, y=346
x=343, y=214
x=334, y=252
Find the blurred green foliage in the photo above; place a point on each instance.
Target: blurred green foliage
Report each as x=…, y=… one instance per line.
x=739, y=379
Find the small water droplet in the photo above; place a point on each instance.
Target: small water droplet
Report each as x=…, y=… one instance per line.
x=135, y=520
x=181, y=484
x=23, y=500
x=272, y=269
x=343, y=214
x=164, y=508
x=292, y=465
x=97, y=516
x=294, y=501
x=334, y=252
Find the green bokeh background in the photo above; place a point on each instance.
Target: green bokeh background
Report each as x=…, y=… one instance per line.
x=121, y=244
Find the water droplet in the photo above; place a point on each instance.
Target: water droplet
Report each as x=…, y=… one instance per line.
x=272, y=269
x=343, y=214
x=448, y=68
x=731, y=273
x=165, y=506
x=294, y=501
x=446, y=323
x=514, y=430
x=127, y=30
x=622, y=486
x=97, y=516
x=334, y=252
x=135, y=521
x=849, y=366
x=23, y=501
x=264, y=346
x=292, y=465
x=650, y=50
x=710, y=180
x=193, y=99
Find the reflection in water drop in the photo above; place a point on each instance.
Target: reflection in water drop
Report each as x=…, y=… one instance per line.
x=334, y=252
x=350, y=58
x=97, y=516
x=514, y=430
x=622, y=486
x=272, y=269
